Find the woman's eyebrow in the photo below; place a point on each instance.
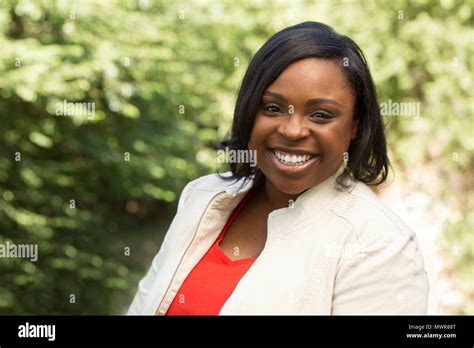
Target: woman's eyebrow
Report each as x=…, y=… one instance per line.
x=276, y=96
x=308, y=102
x=322, y=101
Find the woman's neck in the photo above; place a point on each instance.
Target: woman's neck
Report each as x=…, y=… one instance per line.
x=275, y=199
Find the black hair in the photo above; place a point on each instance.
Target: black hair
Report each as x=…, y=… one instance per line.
x=368, y=160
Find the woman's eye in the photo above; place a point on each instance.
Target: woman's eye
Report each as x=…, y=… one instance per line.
x=321, y=115
x=271, y=108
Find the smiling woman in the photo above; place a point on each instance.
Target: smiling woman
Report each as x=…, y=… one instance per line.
x=308, y=110
x=300, y=232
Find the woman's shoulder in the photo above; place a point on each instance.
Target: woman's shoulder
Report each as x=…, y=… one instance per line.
x=372, y=221
x=215, y=182
x=381, y=268
x=361, y=204
x=211, y=183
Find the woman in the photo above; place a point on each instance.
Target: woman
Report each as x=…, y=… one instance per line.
x=300, y=232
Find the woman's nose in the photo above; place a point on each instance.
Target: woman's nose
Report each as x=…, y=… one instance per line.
x=293, y=127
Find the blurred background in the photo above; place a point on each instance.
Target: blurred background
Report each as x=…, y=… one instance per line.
x=108, y=108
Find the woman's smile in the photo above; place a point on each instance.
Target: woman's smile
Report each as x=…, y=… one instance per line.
x=292, y=162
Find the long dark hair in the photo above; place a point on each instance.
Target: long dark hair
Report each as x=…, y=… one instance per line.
x=368, y=161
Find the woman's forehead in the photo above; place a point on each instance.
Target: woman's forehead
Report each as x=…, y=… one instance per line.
x=313, y=78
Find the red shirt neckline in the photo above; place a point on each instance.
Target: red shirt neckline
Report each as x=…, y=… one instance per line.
x=216, y=247
x=212, y=281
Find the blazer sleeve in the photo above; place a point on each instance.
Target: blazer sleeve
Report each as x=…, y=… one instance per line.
x=386, y=274
x=138, y=304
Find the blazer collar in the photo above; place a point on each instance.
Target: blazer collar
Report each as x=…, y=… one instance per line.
x=309, y=206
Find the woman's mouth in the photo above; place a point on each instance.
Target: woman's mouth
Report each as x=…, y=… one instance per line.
x=292, y=163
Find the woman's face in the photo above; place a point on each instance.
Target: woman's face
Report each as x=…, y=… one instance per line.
x=304, y=125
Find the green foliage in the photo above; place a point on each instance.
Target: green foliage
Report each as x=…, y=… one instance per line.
x=162, y=78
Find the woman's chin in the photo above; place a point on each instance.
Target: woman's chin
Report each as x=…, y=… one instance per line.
x=284, y=186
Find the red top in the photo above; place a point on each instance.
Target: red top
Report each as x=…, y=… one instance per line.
x=213, y=279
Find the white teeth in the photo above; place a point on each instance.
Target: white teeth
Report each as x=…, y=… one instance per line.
x=290, y=159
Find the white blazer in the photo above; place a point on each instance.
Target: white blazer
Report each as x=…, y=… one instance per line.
x=332, y=252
